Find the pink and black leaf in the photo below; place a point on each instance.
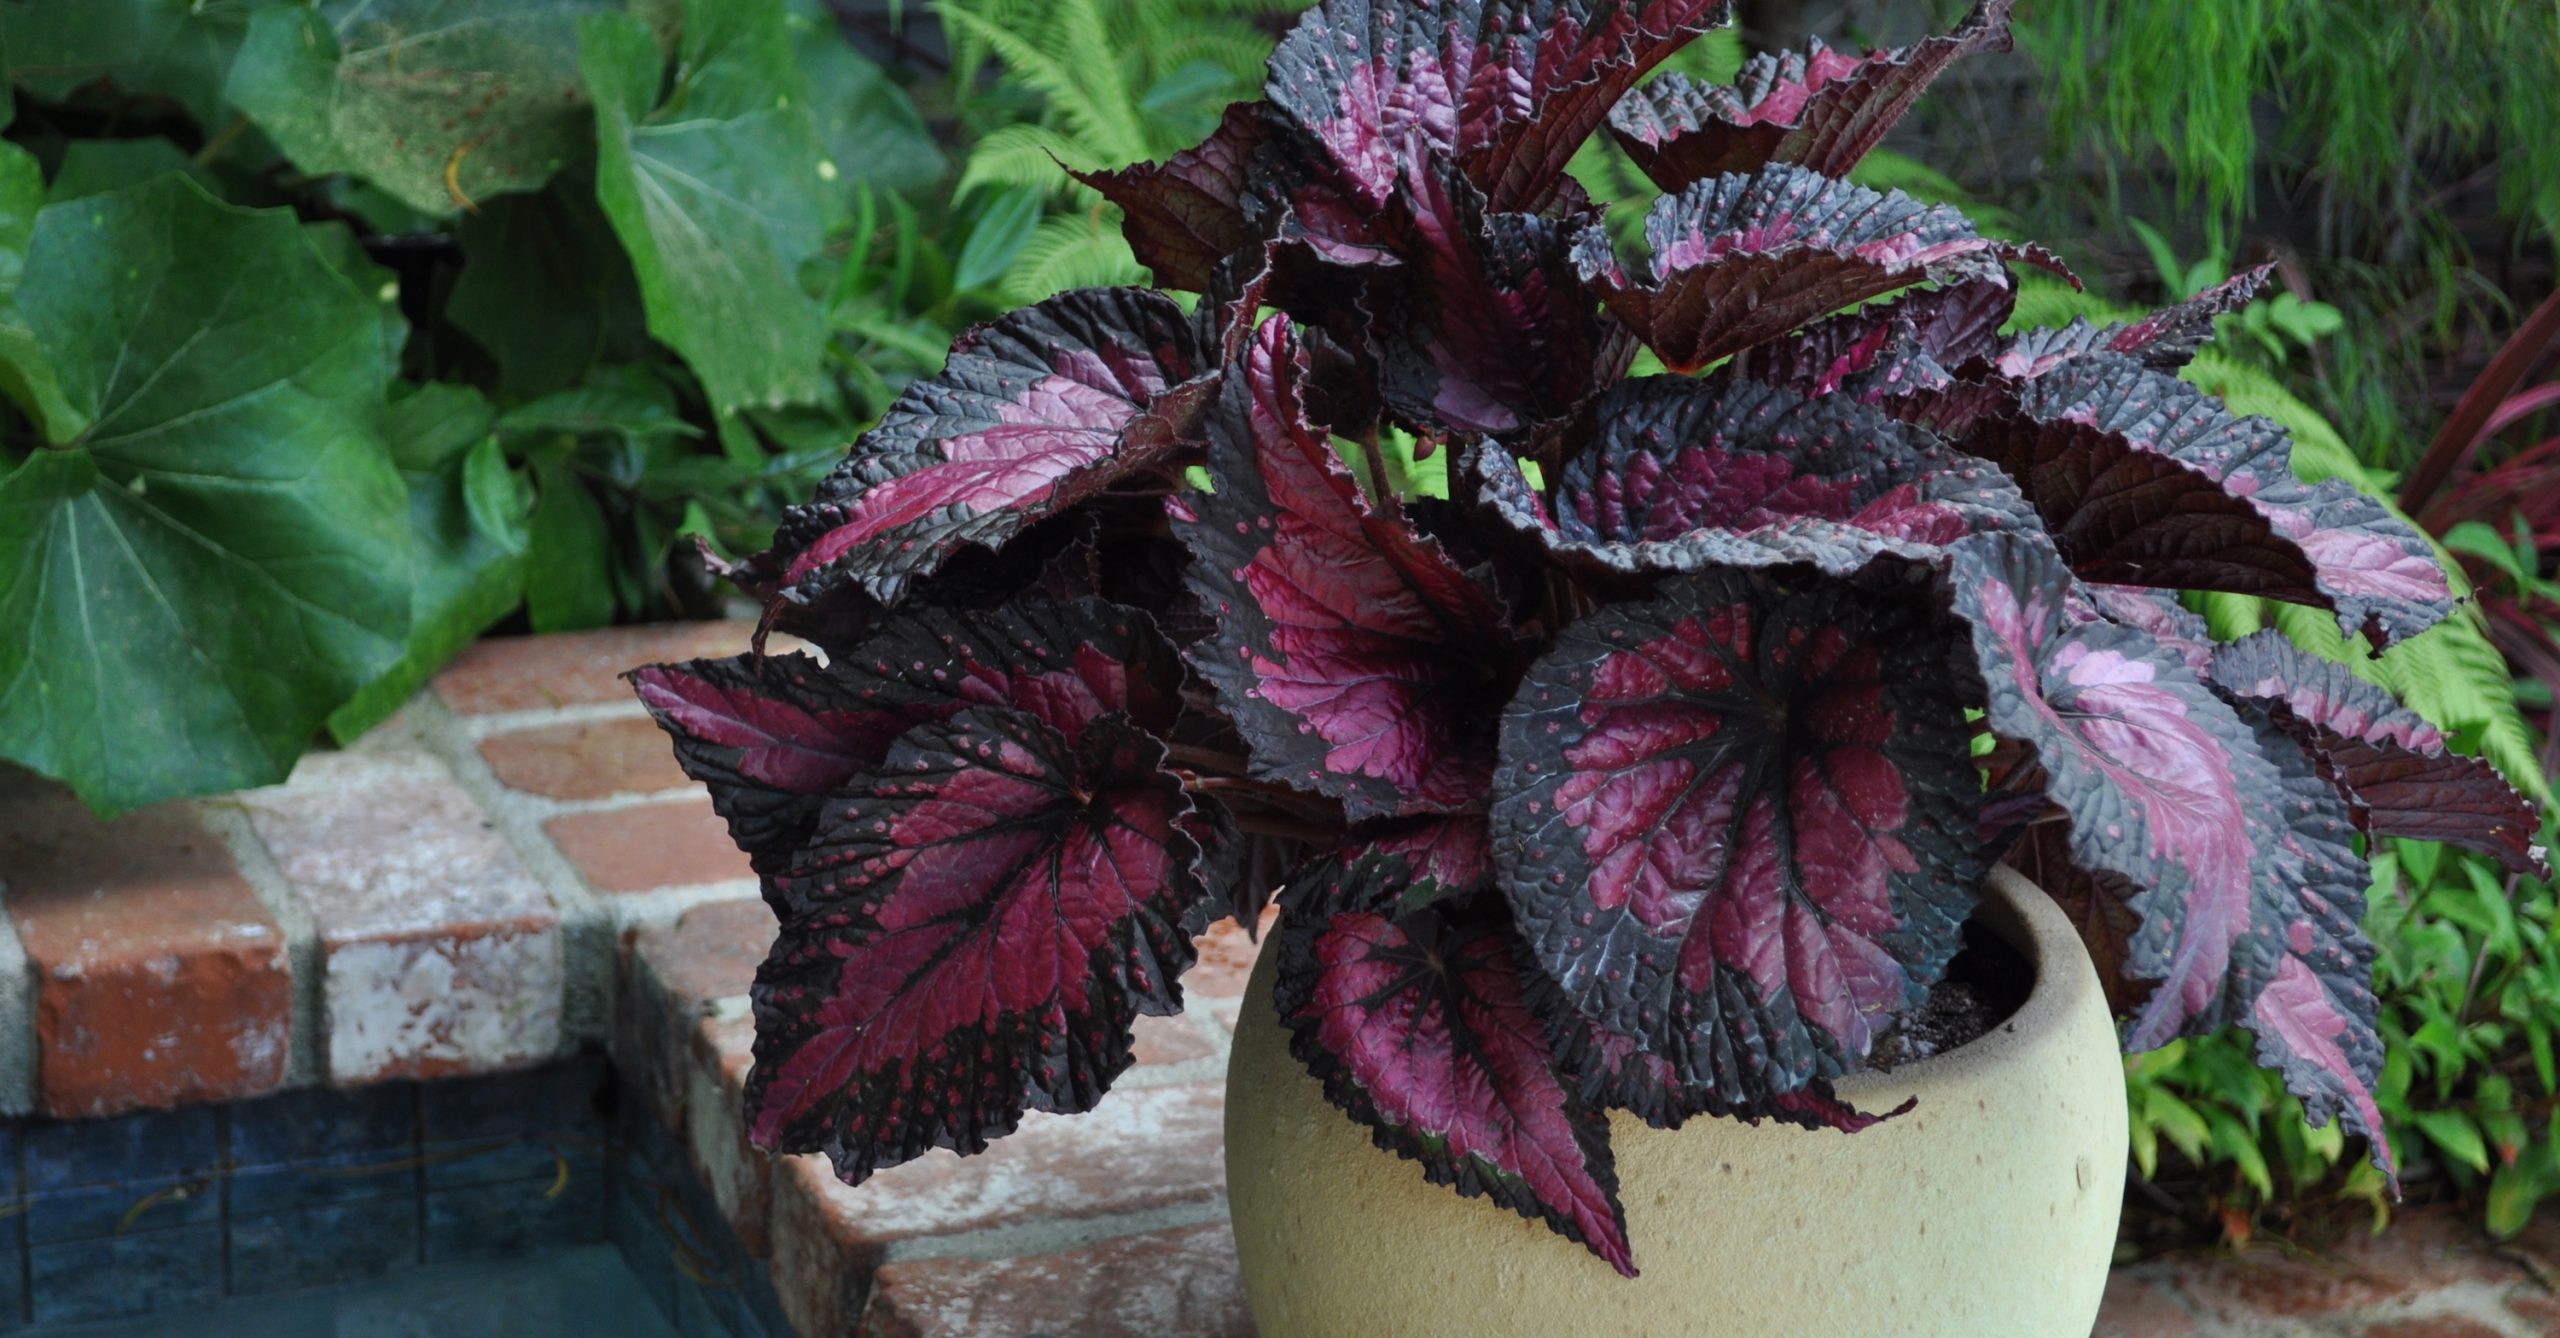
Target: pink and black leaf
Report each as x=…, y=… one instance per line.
x=2166, y=339
x=1685, y=474
x=1355, y=658
x=1739, y=261
x=1035, y=412
x=1819, y=109
x=1404, y=994
x=969, y=935
x=1735, y=823
x=2398, y=773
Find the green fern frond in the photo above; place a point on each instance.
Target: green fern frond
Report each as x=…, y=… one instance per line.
x=1081, y=250
x=1024, y=155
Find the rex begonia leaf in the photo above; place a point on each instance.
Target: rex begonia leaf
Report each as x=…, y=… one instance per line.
x=1354, y=656
x=2157, y=612
x=1820, y=109
x=1738, y=261
x=1736, y=823
x=2398, y=774
x=719, y=195
x=1416, y=1018
x=1688, y=474
x=1891, y=349
x=1506, y=89
x=214, y=546
x=968, y=935
x=2166, y=339
x=440, y=103
x=1485, y=326
x=774, y=736
x=2374, y=571
x=2161, y=781
x=1186, y=215
x=1034, y=412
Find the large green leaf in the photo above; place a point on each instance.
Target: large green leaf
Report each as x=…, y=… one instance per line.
x=867, y=125
x=470, y=550
x=720, y=195
x=176, y=49
x=437, y=102
x=545, y=287
x=212, y=552
x=26, y=370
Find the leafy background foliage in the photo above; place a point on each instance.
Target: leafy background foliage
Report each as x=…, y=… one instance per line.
x=495, y=375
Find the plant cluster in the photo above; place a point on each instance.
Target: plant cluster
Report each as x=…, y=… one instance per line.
x=1656, y=767
x=334, y=334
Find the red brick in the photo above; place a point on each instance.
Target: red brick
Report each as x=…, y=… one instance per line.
x=1177, y=1281
x=531, y=673
x=1227, y=957
x=1142, y=1148
x=681, y=843
x=160, y=979
x=2425, y=1250
x=587, y=760
x=2445, y=1326
x=739, y=1176
x=2136, y=1307
x=442, y=953
x=2535, y=1307
x=672, y=977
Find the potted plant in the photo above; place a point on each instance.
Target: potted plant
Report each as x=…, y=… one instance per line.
x=1629, y=749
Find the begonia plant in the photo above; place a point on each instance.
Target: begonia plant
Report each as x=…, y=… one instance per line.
x=1658, y=764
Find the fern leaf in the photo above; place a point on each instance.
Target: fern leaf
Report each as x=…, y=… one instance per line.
x=1071, y=251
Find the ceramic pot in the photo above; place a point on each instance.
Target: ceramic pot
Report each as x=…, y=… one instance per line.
x=1989, y=1209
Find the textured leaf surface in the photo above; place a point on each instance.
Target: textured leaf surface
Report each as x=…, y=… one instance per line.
x=1033, y=413
x=217, y=498
x=1738, y=261
x=1735, y=823
x=1185, y=215
x=146, y=47
x=1689, y=474
x=968, y=935
x=2155, y=774
x=1820, y=109
x=1507, y=89
x=773, y=736
x=718, y=195
x=1906, y=346
x=1354, y=656
x=1416, y=1019
x=400, y=91
x=2166, y=339
x=2399, y=776
x=2375, y=572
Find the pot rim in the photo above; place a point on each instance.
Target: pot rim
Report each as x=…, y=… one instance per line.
x=2021, y=915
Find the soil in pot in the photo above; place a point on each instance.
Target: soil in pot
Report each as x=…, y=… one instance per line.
x=1987, y=982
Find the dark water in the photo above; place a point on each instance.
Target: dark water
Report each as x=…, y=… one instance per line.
x=583, y=1290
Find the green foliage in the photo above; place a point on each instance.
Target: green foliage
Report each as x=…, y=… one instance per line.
x=333, y=335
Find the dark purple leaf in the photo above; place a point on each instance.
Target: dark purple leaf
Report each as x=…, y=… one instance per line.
x=1506, y=89
x=1036, y=411
x=1353, y=655
x=2377, y=573
x=968, y=936
x=1739, y=261
x=774, y=736
x=2099, y=905
x=1894, y=349
x=1408, y=1001
x=1688, y=474
x=2156, y=612
x=2166, y=339
x=2395, y=770
x=1735, y=823
x=2156, y=776
x=1820, y=109
x=1486, y=326
x=1187, y=215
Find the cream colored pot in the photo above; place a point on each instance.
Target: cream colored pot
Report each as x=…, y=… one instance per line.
x=1988, y=1210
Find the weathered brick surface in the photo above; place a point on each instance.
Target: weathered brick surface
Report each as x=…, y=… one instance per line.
x=532, y=673
x=2443, y=1326
x=673, y=976
x=160, y=979
x=441, y=953
x=739, y=1177
x=679, y=843
x=1178, y=1281
x=2136, y=1307
x=581, y=760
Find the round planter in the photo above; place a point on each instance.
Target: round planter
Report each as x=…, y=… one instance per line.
x=1989, y=1209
